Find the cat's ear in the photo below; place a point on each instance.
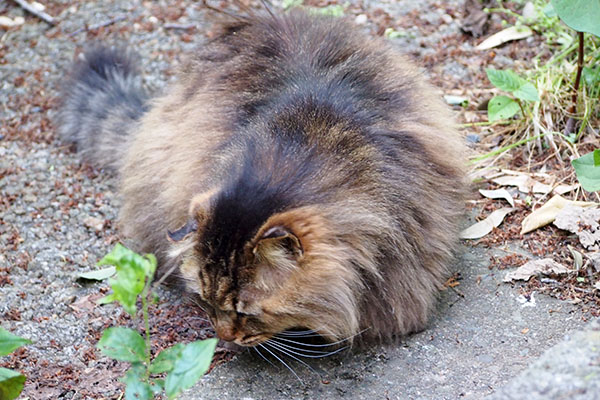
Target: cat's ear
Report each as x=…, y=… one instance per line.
x=275, y=242
x=198, y=213
x=190, y=227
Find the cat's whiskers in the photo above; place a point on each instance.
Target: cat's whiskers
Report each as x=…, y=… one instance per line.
x=262, y=345
x=263, y=357
x=320, y=353
x=317, y=345
x=297, y=333
x=287, y=353
x=295, y=350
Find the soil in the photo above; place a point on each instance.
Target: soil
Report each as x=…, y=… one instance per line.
x=57, y=215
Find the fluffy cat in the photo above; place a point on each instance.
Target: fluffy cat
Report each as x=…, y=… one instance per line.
x=299, y=174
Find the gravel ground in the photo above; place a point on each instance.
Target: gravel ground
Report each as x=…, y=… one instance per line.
x=57, y=216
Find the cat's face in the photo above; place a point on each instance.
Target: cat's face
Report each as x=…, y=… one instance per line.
x=287, y=275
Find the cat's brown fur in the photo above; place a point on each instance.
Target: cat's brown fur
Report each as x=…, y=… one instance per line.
x=317, y=178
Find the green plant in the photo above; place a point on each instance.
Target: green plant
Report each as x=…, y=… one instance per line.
x=11, y=382
x=550, y=122
x=587, y=169
x=182, y=364
x=503, y=107
x=582, y=16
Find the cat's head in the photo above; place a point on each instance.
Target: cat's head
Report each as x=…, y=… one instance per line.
x=258, y=274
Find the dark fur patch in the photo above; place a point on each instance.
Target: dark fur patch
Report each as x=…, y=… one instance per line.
x=101, y=101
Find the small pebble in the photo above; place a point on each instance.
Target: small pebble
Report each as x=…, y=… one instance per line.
x=361, y=19
x=473, y=138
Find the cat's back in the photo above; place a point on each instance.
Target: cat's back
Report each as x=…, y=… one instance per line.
x=295, y=82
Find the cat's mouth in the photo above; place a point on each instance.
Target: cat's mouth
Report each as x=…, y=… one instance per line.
x=252, y=340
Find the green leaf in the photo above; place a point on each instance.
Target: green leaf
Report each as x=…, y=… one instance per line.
x=581, y=15
x=11, y=384
x=502, y=107
x=157, y=385
x=549, y=11
x=136, y=386
x=123, y=344
x=591, y=76
x=10, y=342
x=587, y=169
x=527, y=92
x=165, y=360
x=508, y=81
x=98, y=275
x=504, y=80
x=193, y=362
x=391, y=33
x=132, y=272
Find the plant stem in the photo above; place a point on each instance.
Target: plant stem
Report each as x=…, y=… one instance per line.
x=571, y=122
x=147, y=326
x=485, y=123
x=502, y=10
x=506, y=148
x=521, y=107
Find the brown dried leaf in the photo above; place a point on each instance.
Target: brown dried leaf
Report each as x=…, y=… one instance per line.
x=498, y=194
x=547, y=213
x=584, y=222
x=484, y=227
x=546, y=266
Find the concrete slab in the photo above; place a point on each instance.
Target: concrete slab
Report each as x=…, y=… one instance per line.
x=473, y=346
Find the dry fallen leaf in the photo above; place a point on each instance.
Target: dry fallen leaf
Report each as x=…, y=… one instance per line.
x=584, y=222
x=546, y=266
x=562, y=189
x=524, y=182
x=484, y=227
x=475, y=19
x=547, y=213
x=498, y=194
x=595, y=259
x=94, y=223
x=577, y=257
x=505, y=35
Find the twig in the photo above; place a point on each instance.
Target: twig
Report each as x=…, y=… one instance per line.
x=98, y=26
x=573, y=108
x=38, y=13
x=183, y=27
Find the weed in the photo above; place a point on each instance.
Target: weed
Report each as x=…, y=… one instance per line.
x=565, y=111
x=11, y=382
x=182, y=364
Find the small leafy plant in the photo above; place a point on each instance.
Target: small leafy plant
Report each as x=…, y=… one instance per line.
x=183, y=364
x=11, y=382
x=504, y=107
x=587, y=169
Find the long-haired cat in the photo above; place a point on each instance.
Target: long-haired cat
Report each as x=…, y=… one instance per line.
x=299, y=174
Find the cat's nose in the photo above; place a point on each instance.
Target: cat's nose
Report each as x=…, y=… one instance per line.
x=226, y=334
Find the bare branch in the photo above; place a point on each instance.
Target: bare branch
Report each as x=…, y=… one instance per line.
x=34, y=11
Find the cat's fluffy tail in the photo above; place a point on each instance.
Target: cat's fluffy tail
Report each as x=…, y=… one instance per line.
x=102, y=102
